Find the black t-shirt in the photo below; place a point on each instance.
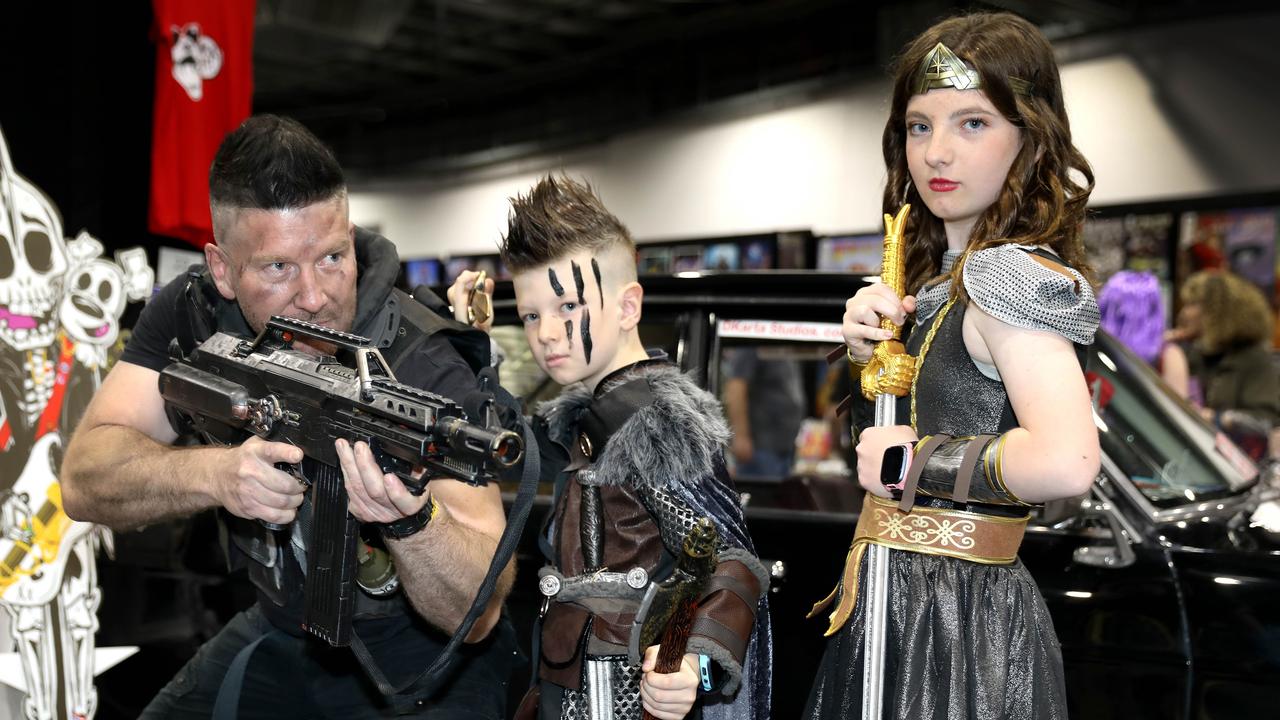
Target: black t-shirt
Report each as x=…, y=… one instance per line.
x=435, y=366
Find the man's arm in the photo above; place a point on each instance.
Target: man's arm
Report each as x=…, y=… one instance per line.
x=120, y=471
x=736, y=410
x=441, y=566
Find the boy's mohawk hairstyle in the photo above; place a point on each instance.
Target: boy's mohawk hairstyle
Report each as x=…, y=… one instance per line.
x=557, y=217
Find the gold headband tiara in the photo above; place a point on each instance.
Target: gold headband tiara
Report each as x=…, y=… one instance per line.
x=942, y=68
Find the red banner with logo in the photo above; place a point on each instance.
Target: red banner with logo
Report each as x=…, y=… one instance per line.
x=204, y=89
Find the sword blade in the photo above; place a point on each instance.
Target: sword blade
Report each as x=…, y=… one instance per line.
x=877, y=599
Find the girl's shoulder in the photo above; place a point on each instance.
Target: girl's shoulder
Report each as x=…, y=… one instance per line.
x=1031, y=287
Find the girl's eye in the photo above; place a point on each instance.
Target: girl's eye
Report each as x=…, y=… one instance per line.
x=917, y=128
x=974, y=124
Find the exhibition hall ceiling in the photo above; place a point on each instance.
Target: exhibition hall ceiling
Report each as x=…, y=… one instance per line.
x=411, y=87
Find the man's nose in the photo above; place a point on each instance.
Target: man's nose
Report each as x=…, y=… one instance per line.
x=310, y=297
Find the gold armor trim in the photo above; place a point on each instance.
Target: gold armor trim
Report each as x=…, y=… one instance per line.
x=984, y=539
x=942, y=68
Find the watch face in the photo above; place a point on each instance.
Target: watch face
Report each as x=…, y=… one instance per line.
x=893, y=469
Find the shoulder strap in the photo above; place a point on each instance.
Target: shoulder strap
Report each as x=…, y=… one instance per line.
x=424, y=314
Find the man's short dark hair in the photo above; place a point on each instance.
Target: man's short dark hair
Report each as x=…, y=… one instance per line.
x=273, y=163
x=558, y=217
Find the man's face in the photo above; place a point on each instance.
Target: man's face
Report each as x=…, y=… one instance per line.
x=570, y=321
x=297, y=263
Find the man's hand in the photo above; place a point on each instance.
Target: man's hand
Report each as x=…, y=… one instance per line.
x=374, y=496
x=459, y=294
x=668, y=696
x=255, y=488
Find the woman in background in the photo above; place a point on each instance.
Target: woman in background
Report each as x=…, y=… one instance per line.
x=1133, y=311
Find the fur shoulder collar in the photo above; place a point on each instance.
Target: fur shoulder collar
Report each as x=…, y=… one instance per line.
x=673, y=441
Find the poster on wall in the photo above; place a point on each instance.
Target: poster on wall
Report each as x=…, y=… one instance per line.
x=653, y=260
x=858, y=254
x=60, y=308
x=1137, y=241
x=1243, y=241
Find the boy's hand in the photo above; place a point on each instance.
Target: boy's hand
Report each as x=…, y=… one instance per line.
x=460, y=292
x=668, y=696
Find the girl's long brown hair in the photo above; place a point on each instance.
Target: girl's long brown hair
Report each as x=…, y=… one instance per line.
x=1044, y=196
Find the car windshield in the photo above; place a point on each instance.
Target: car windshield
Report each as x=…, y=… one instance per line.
x=1157, y=439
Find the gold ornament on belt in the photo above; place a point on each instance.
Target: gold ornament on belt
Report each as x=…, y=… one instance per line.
x=891, y=370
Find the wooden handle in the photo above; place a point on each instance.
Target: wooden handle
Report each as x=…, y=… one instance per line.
x=674, y=641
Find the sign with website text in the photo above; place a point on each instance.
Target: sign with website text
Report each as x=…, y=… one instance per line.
x=780, y=330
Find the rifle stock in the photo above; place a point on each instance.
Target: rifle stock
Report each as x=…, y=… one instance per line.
x=228, y=389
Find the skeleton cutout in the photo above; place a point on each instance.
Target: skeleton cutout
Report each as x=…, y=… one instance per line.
x=32, y=260
x=60, y=309
x=196, y=58
x=96, y=292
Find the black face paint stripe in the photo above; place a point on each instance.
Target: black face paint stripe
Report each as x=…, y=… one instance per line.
x=595, y=269
x=555, y=282
x=586, y=334
x=568, y=332
x=577, y=281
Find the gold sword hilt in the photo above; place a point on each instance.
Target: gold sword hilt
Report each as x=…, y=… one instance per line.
x=891, y=369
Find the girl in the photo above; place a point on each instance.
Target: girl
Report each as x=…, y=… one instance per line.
x=999, y=414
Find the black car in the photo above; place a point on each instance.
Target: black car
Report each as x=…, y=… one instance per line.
x=1161, y=585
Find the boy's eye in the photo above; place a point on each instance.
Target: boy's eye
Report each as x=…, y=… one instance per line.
x=528, y=318
x=568, y=307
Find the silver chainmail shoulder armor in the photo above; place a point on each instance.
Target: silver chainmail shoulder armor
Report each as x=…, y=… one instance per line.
x=932, y=297
x=1010, y=285
x=674, y=517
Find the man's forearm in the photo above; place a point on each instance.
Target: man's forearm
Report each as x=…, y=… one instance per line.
x=121, y=478
x=442, y=567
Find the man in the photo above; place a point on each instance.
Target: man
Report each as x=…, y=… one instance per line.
x=285, y=246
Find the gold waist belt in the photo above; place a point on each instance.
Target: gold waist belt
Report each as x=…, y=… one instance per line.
x=986, y=539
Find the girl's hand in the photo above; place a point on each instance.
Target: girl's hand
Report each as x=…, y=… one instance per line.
x=862, y=313
x=872, y=443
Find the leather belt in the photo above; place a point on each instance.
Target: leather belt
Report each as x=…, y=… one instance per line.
x=985, y=539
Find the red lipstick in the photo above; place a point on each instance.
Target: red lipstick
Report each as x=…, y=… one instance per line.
x=943, y=185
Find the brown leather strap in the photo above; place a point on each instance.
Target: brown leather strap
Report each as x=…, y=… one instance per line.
x=719, y=634
x=917, y=466
x=964, y=476
x=749, y=597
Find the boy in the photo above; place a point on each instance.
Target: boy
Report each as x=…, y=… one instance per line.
x=639, y=448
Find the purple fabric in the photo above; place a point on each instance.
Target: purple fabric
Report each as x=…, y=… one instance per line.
x=1133, y=311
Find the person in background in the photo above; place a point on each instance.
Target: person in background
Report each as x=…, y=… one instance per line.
x=764, y=401
x=1226, y=322
x=1133, y=311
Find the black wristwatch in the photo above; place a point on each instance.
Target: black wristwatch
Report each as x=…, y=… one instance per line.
x=410, y=524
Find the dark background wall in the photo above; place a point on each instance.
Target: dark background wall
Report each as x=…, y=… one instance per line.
x=75, y=108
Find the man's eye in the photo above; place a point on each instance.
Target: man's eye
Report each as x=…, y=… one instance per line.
x=276, y=267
